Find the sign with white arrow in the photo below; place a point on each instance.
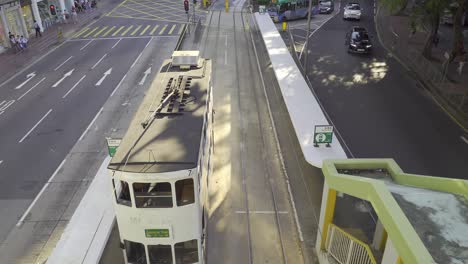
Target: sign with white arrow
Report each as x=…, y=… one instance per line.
x=29, y=77
x=146, y=73
x=63, y=78
x=104, y=77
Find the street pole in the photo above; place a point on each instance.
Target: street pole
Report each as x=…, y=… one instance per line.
x=306, y=50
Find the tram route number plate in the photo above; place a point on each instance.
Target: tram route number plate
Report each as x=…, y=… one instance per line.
x=157, y=232
x=323, y=134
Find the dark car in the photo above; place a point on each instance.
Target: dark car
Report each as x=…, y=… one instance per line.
x=326, y=6
x=358, y=40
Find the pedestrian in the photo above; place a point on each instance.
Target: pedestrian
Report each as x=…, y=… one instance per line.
x=65, y=16
x=23, y=42
x=10, y=35
x=37, y=28
x=74, y=15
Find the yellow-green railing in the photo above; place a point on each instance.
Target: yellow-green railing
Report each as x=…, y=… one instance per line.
x=347, y=249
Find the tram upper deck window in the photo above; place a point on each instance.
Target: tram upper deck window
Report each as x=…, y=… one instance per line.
x=184, y=192
x=122, y=192
x=135, y=252
x=153, y=195
x=186, y=252
x=160, y=254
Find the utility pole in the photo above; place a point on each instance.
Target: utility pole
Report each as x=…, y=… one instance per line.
x=306, y=50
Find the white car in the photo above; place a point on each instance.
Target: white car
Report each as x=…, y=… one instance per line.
x=352, y=11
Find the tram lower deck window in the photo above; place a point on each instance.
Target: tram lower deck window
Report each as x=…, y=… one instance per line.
x=135, y=252
x=153, y=195
x=186, y=252
x=184, y=192
x=160, y=254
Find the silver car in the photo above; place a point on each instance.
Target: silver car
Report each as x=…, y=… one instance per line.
x=352, y=11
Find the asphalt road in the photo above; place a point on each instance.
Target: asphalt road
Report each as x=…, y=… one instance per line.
x=56, y=109
x=250, y=215
x=378, y=107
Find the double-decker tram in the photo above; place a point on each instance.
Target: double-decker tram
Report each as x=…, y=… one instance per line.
x=161, y=168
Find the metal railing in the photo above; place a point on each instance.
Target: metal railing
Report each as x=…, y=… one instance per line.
x=346, y=249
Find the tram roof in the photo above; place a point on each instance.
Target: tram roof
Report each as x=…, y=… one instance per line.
x=171, y=141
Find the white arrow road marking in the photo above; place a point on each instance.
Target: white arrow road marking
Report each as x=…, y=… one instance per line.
x=63, y=78
x=39, y=82
x=58, y=67
x=104, y=77
x=148, y=71
x=38, y=122
x=29, y=77
x=76, y=84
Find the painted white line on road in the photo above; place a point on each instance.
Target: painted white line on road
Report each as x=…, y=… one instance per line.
x=90, y=124
x=147, y=44
x=38, y=122
x=142, y=37
x=63, y=78
x=116, y=43
x=76, y=84
x=261, y=212
x=1, y=161
x=393, y=31
x=104, y=77
x=86, y=45
x=58, y=67
x=29, y=77
x=19, y=98
x=464, y=139
x=118, y=85
x=134, y=63
x=39, y=194
x=225, y=50
x=99, y=61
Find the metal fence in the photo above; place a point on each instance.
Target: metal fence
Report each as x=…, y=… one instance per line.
x=346, y=249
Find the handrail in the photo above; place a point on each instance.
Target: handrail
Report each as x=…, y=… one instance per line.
x=345, y=251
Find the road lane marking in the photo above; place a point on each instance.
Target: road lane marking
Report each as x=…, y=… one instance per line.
x=118, y=85
x=147, y=44
x=95, y=65
x=154, y=29
x=118, y=30
x=39, y=194
x=90, y=124
x=76, y=84
x=4, y=105
x=172, y=29
x=145, y=75
x=127, y=30
x=29, y=77
x=63, y=78
x=19, y=98
x=1, y=161
x=100, y=31
x=464, y=139
x=108, y=31
x=91, y=32
x=80, y=33
x=86, y=45
x=144, y=30
x=181, y=29
x=31, y=130
x=116, y=43
x=136, y=30
x=103, y=77
x=58, y=67
x=162, y=30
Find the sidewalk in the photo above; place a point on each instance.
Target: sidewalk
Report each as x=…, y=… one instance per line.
x=449, y=90
x=12, y=62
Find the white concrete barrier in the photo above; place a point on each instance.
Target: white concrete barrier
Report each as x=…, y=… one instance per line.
x=86, y=235
x=304, y=109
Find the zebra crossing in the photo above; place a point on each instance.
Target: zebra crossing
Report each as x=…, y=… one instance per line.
x=140, y=30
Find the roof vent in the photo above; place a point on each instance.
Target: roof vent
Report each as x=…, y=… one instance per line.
x=186, y=58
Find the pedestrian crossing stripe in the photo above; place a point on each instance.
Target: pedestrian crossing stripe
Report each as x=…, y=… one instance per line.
x=172, y=29
x=136, y=30
x=154, y=29
x=126, y=31
x=118, y=30
x=109, y=31
x=144, y=30
x=130, y=31
x=90, y=32
x=100, y=31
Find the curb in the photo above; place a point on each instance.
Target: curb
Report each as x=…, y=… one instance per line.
x=459, y=121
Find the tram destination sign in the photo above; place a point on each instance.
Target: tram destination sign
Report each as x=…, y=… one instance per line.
x=112, y=145
x=323, y=134
x=156, y=233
